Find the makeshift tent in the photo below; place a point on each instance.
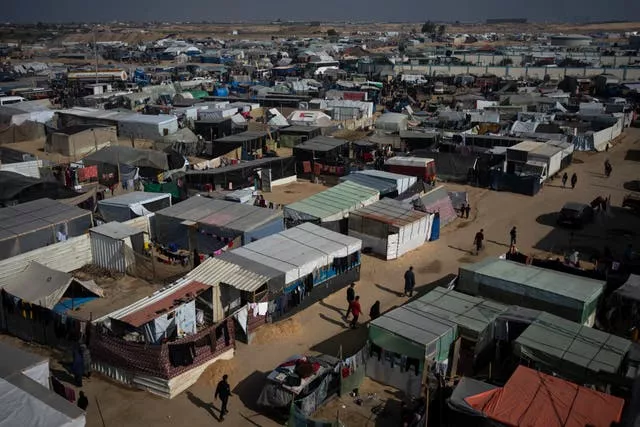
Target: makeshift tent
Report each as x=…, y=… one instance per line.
x=308, y=390
x=385, y=187
x=573, y=350
x=623, y=307
x=39, y=223
x=302, y=251
x=390, y=228
x=533, y=399
x=45, y=286
x=322, y=149
x=132, y=205
x=25, y=398
x=15, y=187
x=402, y=182
x=533, y=287
x=114, y=244
x=134, y=157
x=331, y=205
x=167, y=314
x=437, y=201
x=216, y=223
x=468, y=387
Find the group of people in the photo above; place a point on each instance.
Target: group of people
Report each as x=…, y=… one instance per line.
x=574, y=180
x=465, y=210
x=354, y=308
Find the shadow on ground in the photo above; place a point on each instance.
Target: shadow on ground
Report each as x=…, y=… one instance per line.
x=209, y=407
x=632, y=155
x=631, y=185
x=549, y=219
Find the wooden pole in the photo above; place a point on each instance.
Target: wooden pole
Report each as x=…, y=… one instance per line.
x=100, y=412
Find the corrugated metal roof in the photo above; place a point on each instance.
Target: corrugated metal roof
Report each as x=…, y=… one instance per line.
x=555, y=282
x=35, y=215
x=135, y=197
x=221, y=213
x=321, y=143
x=115, y=230
x=379, y=184
x=216, y=270
x=389, y=211
x=169, y=301
x=342, y=198
x=562, y=342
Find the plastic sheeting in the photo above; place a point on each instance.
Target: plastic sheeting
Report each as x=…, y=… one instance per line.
x=21, y=408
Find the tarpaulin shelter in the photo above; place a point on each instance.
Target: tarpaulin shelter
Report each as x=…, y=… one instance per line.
x=132, y=205
x=322, y=149
x=45, y=286
x=217, y=223
x=25, y=397
x=390, y=228
x=623, y=306
x=533, y=399
x=424, y=331
x=39, y=223
x=467, y=387
x=15, y=187
x=385, y=187
x=573, y=350
x=115, y=155
x=331, y=207
x=437, y=201
x=533, y=287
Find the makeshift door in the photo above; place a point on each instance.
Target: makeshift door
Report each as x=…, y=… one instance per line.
x=266, y=180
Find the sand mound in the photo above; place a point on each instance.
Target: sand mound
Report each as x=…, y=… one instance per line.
x=270, y=332
x=214, y=373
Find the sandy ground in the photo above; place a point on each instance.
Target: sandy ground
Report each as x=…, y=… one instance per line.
x=321, y=327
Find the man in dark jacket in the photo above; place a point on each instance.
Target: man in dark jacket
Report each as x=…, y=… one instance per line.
x=513, y=234
x=223, y=391
x=77, y=367
x=409, y=282
x=351, y=295
x=83, y=402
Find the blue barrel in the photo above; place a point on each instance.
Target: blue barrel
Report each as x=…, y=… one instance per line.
x=222, y=91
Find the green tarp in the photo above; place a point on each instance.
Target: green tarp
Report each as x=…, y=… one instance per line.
x=167, y=187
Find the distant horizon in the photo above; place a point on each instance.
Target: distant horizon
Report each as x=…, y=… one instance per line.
x=22, y=12
x=321, y=22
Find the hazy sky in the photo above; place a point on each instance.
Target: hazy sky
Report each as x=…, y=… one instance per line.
x=382, y=10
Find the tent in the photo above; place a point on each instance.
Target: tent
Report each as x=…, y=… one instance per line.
x=424, y=330
x=25, y=397
x=533, y=399
x=332, y=205
x=402, y=182
x=533, y=287
x=468, y=387
x=45, y=286
x=573, y=350
x=437, y=200
x=132, y=205
x=39, y=223
x=390, y=228
x=135, y=157
x=385, y=187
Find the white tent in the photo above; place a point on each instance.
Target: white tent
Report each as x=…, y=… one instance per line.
x=25, y=398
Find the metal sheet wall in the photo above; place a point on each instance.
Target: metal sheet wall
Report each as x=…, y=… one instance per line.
x=65, y=256
x=108, y=253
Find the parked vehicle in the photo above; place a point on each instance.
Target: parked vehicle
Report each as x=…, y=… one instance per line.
x=632, y=201
x=575, y=214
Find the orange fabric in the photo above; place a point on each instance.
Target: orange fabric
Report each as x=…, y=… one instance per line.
x=534, y=399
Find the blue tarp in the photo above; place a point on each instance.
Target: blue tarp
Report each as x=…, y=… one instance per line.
x=435, y=228
x=71, y=303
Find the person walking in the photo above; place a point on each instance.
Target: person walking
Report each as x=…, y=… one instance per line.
x=83, y=402
x=374, y=313
x=351, y=295
x=77, y=367
x=409, y=282
x=355, y=310
x=463, y=208
x=565, y=178
x=467, y=211
x=86, y=360
x=477, y=241
x=223, y=391
x=513, y=235
x=574, y=181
